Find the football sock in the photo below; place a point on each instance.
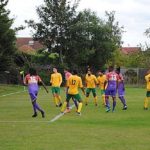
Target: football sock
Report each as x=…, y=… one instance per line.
x=37, y=107
x=79, y=107
x=146, y=102
x=64, y=106
x=122, y=100
x=95, y=99
x=86, y=100
x=55, y=100
x=34, y=108
x=58, y=99
x=107, y=102
x=114, y=104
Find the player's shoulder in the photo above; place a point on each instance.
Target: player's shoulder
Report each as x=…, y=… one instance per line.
x=147, y=76
x=59, y=73
x=93, y=75
x=27, y=76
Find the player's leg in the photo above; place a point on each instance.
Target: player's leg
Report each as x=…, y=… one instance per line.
x=114, y=103
x=122, y=99
x=33, y=98
x=103, y=97
x=54, y=96
x=64, y=106
x=78, y=98
x=75, y=102
x=146, y=100
x=35, y=104
x=88, y=90
x=58, y=96
x=107, y=100
x=113, y=94
x=95, y=96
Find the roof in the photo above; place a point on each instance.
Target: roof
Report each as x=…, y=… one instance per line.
x=26, y=49
x=28, y=41
x=130, y=50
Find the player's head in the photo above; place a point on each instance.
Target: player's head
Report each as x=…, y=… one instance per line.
x=111, y=68
x=32, y=71
x=148, y=72
x=89, y=72
x=66, y=70
x=55, y=70
x=100, y=73
x=118, y=70
x=74, y=72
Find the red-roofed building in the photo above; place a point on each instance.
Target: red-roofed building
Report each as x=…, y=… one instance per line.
x=130, y=50
x=28, y=44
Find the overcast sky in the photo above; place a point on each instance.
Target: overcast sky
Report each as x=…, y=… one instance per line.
x=134, y=15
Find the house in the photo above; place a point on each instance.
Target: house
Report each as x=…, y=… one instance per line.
x=27, y=44
x=130, y=50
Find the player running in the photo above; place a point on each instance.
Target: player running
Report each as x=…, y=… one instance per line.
x=101, y=80
x=74, y=82
x=111, y=88
x=121, y=88
x=55, y=81
x=90, y=81
x=32, y=80
x=147, y=78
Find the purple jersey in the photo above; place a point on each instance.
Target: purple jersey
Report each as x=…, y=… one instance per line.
x=112, y=79
x=32, y=82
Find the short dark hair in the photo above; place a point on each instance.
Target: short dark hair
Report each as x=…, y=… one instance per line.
x=118, y=69
x=32, y=71
x=111, y=68
x=74, y=72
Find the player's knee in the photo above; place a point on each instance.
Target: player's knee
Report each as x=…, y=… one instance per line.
x=87, y=94
x=94, y=94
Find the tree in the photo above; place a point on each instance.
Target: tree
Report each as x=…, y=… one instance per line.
x=55, y=18
x=81, y=38
x=7, y=37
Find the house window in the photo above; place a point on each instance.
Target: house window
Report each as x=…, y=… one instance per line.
x=31, y=43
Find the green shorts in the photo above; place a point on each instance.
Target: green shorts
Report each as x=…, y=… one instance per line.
x=148, y=94
x=56, y=90
x=76, y=97
x=88, y=91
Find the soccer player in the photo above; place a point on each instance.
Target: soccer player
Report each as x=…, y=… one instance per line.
x=67, y=75
x=121, y=88
x=111, y=88
x=32, y=80
x=55, y=81
x=91, y=82
x=101, y=80
x=74, y=82
x=147, y=78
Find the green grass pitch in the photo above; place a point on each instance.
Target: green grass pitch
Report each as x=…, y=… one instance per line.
x=93, y=130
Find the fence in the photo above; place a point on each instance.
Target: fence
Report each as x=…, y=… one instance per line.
x=132, y=76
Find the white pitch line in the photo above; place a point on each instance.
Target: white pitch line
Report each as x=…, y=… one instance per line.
x=13, y=93
x=60, y=115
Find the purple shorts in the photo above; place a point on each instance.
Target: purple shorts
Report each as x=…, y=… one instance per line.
x=110, y=92
x=33, y=95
